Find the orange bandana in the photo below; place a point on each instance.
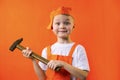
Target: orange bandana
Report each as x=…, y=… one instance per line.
x=61, y=10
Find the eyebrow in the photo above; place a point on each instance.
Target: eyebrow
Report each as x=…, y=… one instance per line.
x=67, y=19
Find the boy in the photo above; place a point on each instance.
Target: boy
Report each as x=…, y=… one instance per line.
x=64, y=53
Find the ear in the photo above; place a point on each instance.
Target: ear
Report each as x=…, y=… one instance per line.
x=73, y=27
x=51, y=27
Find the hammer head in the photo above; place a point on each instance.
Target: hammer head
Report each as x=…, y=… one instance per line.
x=17, y=42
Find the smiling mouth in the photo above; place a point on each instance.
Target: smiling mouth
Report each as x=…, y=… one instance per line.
x=62, y=31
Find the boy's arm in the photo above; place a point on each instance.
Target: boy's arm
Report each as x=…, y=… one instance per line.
x=39, y=72
x=75, y=71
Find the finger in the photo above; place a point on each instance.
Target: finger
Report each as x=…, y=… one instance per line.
x=27, y=48
x=26, y=53
x=52, y=65
x=29, y=52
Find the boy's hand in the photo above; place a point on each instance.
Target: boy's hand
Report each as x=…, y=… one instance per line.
x=26, y=52
x=53, y=64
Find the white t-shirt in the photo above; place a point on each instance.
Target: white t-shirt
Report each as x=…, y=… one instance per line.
x=79, y=55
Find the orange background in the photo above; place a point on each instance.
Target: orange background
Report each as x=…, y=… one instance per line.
x=97, y=28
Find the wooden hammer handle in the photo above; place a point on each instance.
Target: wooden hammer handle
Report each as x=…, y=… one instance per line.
x=37, y=57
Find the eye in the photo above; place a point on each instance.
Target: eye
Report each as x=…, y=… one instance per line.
x=66, y=23
x=57, y=23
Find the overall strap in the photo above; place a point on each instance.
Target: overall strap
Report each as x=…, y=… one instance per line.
x=48, y=51
x=72, y=49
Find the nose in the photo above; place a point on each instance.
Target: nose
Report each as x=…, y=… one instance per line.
x=62, y=26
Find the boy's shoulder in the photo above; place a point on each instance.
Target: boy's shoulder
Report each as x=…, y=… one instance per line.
x=78, y=45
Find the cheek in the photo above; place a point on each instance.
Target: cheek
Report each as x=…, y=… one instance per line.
x=54, y=30
x=55, y=27
x=70, y=30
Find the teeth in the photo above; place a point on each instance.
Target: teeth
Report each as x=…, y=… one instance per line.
x=62, y=31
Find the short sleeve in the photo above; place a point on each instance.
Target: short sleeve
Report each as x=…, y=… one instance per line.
x=80, y=59
x=42, y=65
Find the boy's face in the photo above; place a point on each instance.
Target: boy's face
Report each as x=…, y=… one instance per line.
x=63, y=25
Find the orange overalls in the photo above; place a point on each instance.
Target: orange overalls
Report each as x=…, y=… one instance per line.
x=62, y=74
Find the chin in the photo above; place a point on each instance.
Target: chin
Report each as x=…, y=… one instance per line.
x=63, y=36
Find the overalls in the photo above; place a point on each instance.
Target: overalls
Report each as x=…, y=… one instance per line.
x=62, y=74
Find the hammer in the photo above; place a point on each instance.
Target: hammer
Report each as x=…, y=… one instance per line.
x=17, y=45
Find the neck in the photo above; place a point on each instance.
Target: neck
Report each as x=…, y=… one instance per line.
x=64, y=40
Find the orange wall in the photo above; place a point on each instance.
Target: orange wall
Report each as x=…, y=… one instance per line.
x=97, y=28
